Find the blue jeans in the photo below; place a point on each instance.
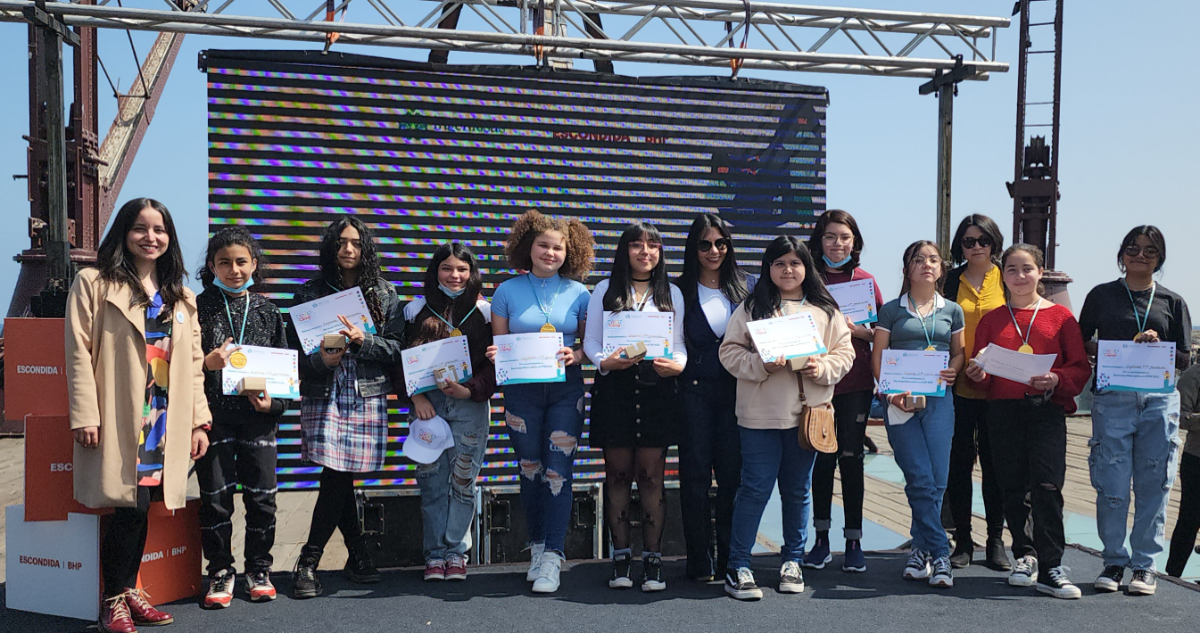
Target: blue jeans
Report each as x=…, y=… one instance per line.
x=448, y=484
x=1135, y=440
x=544, y=422
x=922, y=450
x=768, y=456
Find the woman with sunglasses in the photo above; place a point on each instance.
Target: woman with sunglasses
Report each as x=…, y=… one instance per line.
x=975, y=285
x=1135, y=434
x=713, y=285
x=635, y=407
x=836, y=245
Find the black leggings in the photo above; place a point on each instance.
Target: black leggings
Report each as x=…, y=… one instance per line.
x=850, y=411
x=335, y=510
x=1183, y=539
x=621, y=467
x=124, y=542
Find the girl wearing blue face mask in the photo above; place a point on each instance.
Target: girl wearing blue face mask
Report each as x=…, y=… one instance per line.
x=243, y=428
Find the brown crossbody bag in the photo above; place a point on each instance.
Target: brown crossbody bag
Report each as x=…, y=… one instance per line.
x=817, y=429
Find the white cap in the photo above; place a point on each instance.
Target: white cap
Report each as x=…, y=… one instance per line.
x=427, y=439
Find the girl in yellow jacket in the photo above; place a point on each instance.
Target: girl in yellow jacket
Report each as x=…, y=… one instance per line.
x=768, y=408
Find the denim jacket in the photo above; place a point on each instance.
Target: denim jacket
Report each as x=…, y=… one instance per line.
x=376, y=356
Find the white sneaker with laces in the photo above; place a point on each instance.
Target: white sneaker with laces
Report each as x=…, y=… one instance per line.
x=917, y=567
x=547, y=580
x=1058, y=585
x=941, y=577
x=535, y=561
x=1025, y=571
x=791, y=580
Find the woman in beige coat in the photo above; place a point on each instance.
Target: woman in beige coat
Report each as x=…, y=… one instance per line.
x=136, y=388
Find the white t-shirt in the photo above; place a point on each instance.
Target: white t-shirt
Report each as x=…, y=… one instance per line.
x=717, y=309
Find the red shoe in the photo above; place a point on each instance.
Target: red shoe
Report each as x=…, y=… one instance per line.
x=456, y=567
x=144, y=614
x=258, y=584
x=435, y=570
x=114, y=616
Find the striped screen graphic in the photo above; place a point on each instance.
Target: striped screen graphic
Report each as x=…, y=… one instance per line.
x=427, y=155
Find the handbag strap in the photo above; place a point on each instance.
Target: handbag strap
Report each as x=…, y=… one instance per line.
x=800, y=383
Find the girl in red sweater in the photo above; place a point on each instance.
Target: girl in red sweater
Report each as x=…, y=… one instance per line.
x=1027, y=421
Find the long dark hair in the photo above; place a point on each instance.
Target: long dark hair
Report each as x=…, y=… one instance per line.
x=1038, y=260
x=232, y=236
x=619, y=298
x=987, y=226
x=765, y=300
x=368, y=266
x=1156, y=239
x=909, y=254
x=732, y=278
x=116, y=265
x=432, y=328
x=816, y=243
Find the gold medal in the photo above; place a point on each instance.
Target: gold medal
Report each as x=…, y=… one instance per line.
x=931, y=349
x=548, y=328
x=1135, y=336
x=1025, y=349
x=456, y=332
x=238, y=360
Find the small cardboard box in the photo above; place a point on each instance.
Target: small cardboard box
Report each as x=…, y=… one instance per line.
x=334, y=341
x=252, y=384
x=637, y=351
x=914, y=402
x=796, y=364
x=442, y=375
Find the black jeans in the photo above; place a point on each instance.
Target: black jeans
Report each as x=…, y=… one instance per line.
x=971, y=439
x=1029, y=450
x=335, y=510
x=850, y=411
x=1183, y=539
x=711, y=445
x=244, y=453
x=125, y=541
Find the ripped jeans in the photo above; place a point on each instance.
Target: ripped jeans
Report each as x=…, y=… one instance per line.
x=544, y=422
x=1135, y=440
x=448, y=484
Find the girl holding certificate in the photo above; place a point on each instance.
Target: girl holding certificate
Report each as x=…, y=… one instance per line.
x=136, y=385
x=770, y=401
x=713, y=285
x=1027, y=421
x=452, y=306
x=635, y=408
x=343, y=406
x=836, y=245
x=243, y=447
x=1135, y=434
x=975, y=285
x=922, y=319
x=545, y=419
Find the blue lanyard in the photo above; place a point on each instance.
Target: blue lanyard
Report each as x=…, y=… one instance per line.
x=1142, y=321
x=451, y=325
x=230, y=316
x=928, y=340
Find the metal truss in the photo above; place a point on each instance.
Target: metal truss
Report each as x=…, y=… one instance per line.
x=708, y=33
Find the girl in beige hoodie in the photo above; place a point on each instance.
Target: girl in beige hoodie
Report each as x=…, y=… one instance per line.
x=768, y=408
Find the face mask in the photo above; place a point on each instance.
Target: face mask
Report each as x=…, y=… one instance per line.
x=832, y=264
x=218, y=283
x=453, y=294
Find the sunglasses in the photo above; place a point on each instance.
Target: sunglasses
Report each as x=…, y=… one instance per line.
x=970, y=242
x=722, y=244
x=1149, y=252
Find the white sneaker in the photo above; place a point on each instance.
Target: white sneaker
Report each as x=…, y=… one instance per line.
x=535, y=561
x=547, y=580
x=1025, y=571
x=791, y=580
x=941, y=576
x=917, y=567
x=1058, y=585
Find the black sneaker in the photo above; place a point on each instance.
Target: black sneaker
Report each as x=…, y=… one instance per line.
x=739, y=583
x=359, y=567
x=1054, y=582
x=304, y=578
x=622, y=575
x=1144, y=583
x=652, y=574
x=1109, y=580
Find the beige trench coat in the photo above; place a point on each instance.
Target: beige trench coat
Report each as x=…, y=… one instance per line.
x=106, y=384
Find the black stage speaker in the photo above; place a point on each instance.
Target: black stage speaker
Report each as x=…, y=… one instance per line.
x=503, y=537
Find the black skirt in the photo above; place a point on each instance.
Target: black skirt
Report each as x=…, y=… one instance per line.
x=628, y=414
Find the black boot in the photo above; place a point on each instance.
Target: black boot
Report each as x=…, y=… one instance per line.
x=304, y=578
x=359, y=567
x=964, y=550
x=997, y=558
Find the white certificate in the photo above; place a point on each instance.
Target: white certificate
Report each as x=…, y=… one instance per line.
x=916, y=371
x=529, y=357
x=1013, y=365
x=420, y=362
x=790, y=336
x=315, y=319
x=280, y=368
x=1129, y=366
x=856, y=299
x=626, y=328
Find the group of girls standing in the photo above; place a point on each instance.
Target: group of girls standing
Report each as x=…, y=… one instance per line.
x=734, y=415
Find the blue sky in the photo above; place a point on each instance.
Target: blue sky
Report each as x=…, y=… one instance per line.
x=1128, y=140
